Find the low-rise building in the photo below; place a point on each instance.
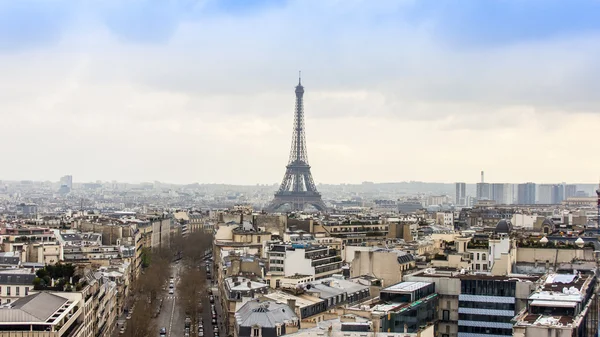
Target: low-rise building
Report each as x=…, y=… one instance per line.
x=566, y=305
x=15, y=283
x=286, y=260
x=43, y=314
x=265, y=319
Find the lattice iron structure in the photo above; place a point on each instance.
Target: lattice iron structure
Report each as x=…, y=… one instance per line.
x=298, y=187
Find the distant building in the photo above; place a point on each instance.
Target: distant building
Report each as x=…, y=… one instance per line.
x=67, y=181
x=483, y=191
x=497, y=193
x=550, y=194
x=409, y=206
x=461, y=194
x=526, y=194
x=570, y=191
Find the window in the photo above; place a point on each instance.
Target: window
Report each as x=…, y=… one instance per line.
x=7, y=291
x=279, y=330
x=17, y=290
x=26, y=291
x=446, y=315
x=483, y=256
x=255, y=332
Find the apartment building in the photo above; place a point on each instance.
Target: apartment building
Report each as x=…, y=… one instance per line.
x=565, y=305
x=302, y=259
x=15, y=283
x=473, y=304
x=43, y=314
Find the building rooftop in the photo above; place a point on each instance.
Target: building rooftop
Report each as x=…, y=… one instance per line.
x=35, y=308
x=243, y=284
x=406, y=286
x=301, y=300
x=266, y=314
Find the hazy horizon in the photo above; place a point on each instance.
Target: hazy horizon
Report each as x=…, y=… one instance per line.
x=188, y=91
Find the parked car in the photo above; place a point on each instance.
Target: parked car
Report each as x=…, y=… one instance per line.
x=211, y=299
x=163, y=332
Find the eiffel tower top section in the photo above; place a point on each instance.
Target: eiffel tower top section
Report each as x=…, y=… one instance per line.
x=298, y=155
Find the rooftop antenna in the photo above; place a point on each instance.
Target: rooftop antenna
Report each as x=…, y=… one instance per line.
x=299, y=77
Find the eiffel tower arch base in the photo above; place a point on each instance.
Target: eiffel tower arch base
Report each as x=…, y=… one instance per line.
x=297, y=203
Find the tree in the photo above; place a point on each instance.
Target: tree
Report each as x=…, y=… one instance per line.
x=191, y=290
x=141, y=323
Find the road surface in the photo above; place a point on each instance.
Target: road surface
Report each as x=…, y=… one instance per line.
x=171, y=317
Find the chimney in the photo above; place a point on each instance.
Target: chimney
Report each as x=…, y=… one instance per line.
x=249, y=284
x=406, y=325
x=292, y=304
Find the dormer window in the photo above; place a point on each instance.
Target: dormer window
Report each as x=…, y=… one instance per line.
x=256, y=331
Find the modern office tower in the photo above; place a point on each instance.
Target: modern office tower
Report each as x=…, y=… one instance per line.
x=67, y=181
x=461, y=194
x=483, y=189
x=558, y=194
x=509, y=194
x=498, y=193
x=544, y=195
x=550, y=194
x=570, y=190
x=526, y=194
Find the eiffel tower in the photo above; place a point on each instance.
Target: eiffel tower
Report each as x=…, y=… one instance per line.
x=298, y=188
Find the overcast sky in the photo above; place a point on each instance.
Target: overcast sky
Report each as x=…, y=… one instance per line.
x=203, y=90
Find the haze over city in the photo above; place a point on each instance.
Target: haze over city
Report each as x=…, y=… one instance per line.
x=203, y=91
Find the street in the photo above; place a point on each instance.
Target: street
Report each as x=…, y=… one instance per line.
x=172, y=315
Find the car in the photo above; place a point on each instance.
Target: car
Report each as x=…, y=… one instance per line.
x=211, y=299
x=200, y=333
x=216, y=329
x=214, y=321
x=171, y=292
x=163, y=332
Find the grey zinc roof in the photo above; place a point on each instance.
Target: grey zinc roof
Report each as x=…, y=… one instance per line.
x=266, y=314
x=33, y=308
x=11, y=260
x=324, y=290
x=17, y=279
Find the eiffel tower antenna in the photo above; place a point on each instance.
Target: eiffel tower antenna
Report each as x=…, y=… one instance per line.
x=298, y=188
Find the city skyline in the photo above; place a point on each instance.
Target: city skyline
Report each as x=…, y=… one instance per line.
x=188, y=92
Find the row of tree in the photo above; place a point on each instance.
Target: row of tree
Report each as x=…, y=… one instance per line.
x=192, y=286
x=146, y=291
